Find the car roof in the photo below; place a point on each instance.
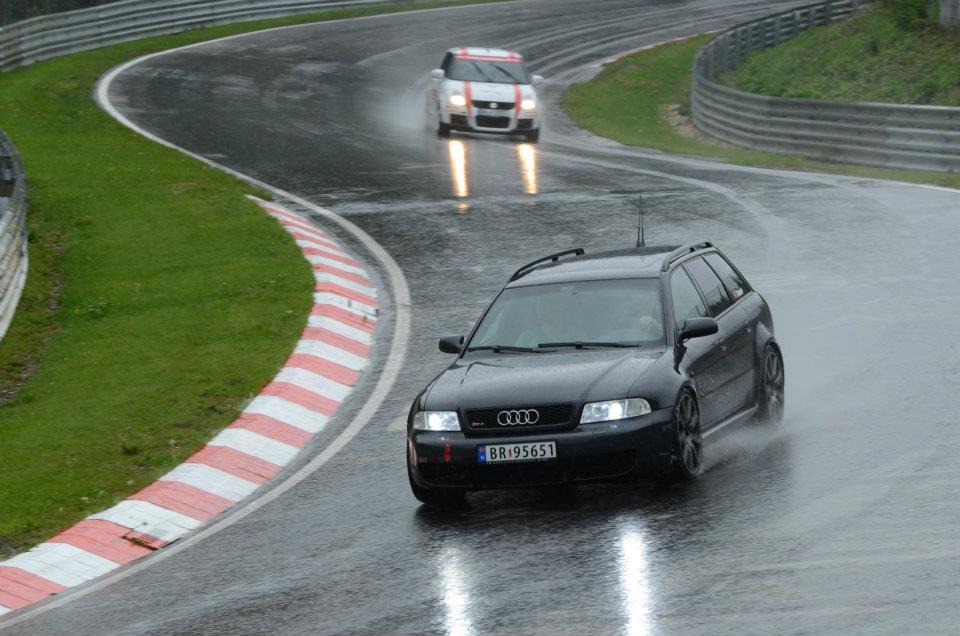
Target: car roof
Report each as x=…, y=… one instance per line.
x=634, y=262
x=479, y=52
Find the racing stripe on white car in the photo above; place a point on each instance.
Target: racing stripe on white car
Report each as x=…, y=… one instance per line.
x=269, y=433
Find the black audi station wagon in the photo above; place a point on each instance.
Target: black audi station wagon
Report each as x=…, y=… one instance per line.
x=597, y=367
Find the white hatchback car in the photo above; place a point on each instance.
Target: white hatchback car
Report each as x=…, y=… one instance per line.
x=485, y=90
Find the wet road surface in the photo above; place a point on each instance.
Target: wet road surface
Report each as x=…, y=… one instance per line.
x=843, y=519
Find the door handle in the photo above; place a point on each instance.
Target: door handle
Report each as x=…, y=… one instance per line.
x=723, y=344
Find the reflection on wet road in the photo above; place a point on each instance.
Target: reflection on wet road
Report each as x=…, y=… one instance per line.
x=844, y=519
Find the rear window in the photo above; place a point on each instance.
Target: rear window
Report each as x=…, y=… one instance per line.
x=623, y=311
x=713, y=290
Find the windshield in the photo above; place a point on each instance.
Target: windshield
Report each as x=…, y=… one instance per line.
x=499, y=72
x=608, y=311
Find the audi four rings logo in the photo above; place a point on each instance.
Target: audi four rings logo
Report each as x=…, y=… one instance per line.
x=518, y=418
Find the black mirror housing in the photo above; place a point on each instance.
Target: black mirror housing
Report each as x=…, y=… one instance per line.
x=451, y=344
x=697, y=328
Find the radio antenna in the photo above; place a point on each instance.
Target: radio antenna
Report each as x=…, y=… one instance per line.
x=641, y=239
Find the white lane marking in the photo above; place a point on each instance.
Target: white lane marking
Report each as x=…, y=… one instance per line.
x=329, y=352
x=62, y=563
x=327, y=277
x=288, y=413
x=341, y=328
x=212, y=480
x=255, y=444
x=316, y=259
x=149, y=518
x=388, y=377
x=351, y=305
x=314, y=383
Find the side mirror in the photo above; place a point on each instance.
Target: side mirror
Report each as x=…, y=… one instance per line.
x=538, y=80
x=437, y=74
x=451, y=344
x=697, y=328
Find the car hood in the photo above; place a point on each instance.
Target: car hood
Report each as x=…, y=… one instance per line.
x=487, y=92
x=521, y=379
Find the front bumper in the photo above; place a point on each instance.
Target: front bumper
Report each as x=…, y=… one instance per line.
x=590, y=452
x=504, y=125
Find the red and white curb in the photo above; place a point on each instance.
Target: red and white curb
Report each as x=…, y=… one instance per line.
x=270, y=432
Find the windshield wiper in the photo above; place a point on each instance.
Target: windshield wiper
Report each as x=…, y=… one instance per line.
x=580, y=344
x=507, y=348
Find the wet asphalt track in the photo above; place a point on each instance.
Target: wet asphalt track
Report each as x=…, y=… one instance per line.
x=845, y=519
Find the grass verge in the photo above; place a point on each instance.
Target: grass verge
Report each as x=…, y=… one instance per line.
x=634, y=99
x=159, y=300
x=869, y=57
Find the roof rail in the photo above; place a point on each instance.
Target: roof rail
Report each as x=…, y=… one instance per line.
x=680, y=252
x=523, y=271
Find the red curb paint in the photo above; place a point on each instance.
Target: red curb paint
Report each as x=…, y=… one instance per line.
x=344, y=316
x=339, y=273
x=103, y=538
x=304, y=397
x=187, y=500
x=236, y=463
x=333, y=288
x=19, y=588
x=324, y=367
x=337, y=340
x=333, y=256
x=273, y=428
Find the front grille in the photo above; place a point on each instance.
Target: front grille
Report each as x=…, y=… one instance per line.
x=524, y=124
x=458, y=120
x=550, y=416
x=493, y=122
x=604, y=465
x=477, y=103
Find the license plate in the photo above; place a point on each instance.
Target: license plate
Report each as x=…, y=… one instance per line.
x=490, y=112
x=519, y=452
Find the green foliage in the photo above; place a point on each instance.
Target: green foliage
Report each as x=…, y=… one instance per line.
x=911, y=14
x=630, y=99
x=871, y=57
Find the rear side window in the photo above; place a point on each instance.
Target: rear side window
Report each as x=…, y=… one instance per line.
x=709, y=284
x=734, y=283
x=686, y=299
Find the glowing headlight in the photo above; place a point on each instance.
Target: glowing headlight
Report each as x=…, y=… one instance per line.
x=614, y=410
x=528, y=104
x=436, y=421
x=458, y=100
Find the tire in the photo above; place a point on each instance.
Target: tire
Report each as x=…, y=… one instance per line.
x=687, y=438
x=770, y=394
x=434, y=496
x=533, y=136
x=443, y=130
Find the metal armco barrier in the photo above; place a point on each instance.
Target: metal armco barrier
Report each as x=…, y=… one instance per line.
x=883, y=135
x=49, y=36
x=13, y=231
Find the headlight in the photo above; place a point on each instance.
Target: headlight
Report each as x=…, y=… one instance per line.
x=458, y=100
x=614, y=410
x=436, y=421
x=528, y=104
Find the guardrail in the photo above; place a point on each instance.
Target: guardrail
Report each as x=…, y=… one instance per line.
x=883, y=135
x=48, y=36
x=13, y=231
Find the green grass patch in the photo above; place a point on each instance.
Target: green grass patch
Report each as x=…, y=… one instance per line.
x=643, y=100
x=869, y=57
x=159, y=299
